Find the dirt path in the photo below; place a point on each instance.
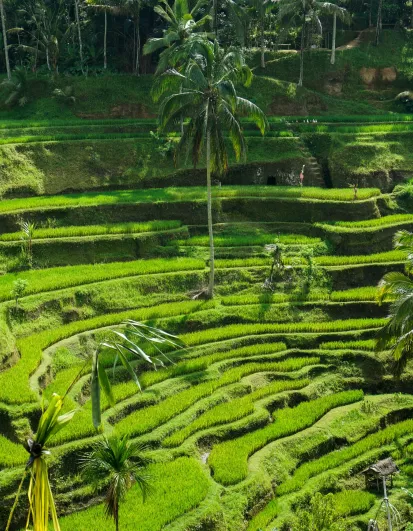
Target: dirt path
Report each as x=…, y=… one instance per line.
x=365, y=35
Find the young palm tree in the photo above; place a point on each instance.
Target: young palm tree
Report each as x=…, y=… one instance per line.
x=209, y=100
x=305, y=12
x=397, y=288
x=4, y=30
x=121, y=464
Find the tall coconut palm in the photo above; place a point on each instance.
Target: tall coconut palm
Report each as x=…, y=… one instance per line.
x=4, y=30
x=210, y=101
x=379, y=22
x=79, y=34
x=133, y=8
x=397, y=288
x=303, y=13
x=106, y=6
x=345, y=16
x=120, y=463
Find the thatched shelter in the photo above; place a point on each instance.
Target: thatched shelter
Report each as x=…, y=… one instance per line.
x=382, y=469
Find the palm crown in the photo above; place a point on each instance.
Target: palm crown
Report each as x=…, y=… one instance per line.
x=209, y=99
x=182, y=25
x=119, y=462
x=397, y=288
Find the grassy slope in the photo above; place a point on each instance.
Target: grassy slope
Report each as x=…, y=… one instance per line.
x=183, y=491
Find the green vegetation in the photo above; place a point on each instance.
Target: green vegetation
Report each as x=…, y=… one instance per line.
x=179, y=194
x=163, y=505
x=95, y=230
x=228, y=460
x=258, y=409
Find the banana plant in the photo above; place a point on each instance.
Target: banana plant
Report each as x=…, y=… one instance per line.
x=41, y=500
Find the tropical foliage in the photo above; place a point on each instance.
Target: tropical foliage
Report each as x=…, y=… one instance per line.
x=209, y=100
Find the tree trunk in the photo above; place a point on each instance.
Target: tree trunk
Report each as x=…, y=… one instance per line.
x=105, y=42
x=378, y=25
x=333, y=46
x=262, y=28
x=138, y=41
x=48, y=58
x=300, y=82
x=210, y=292
x=215, y=17
x=182, y=116
x=79, y=35
x=371, y=14
x=6, y=50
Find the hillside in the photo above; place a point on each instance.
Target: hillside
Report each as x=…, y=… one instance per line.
x=278, y=394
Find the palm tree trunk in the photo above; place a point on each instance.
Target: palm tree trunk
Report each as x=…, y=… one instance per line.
x=79, y=35
x=6, y=50
x=300, y=81
x=411, y=22
x=333, y=46
x=138, y=40
x=48, y=58
x=105, y=42
x=182, y=116
x=210, y=292
x=262, y=29
x=378, y=25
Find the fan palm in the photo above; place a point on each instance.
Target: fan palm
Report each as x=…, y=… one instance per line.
x=397, y=288
x=120, y=463
x=209, y=100
x=305, y=12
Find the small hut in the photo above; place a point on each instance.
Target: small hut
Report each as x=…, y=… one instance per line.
x=380, y=471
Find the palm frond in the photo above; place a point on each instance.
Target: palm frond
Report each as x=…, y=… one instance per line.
x=251, y=111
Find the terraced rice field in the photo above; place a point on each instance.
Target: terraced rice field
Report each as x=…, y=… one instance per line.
x=277, y=396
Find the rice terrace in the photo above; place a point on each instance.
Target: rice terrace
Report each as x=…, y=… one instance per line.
x=206, y=265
